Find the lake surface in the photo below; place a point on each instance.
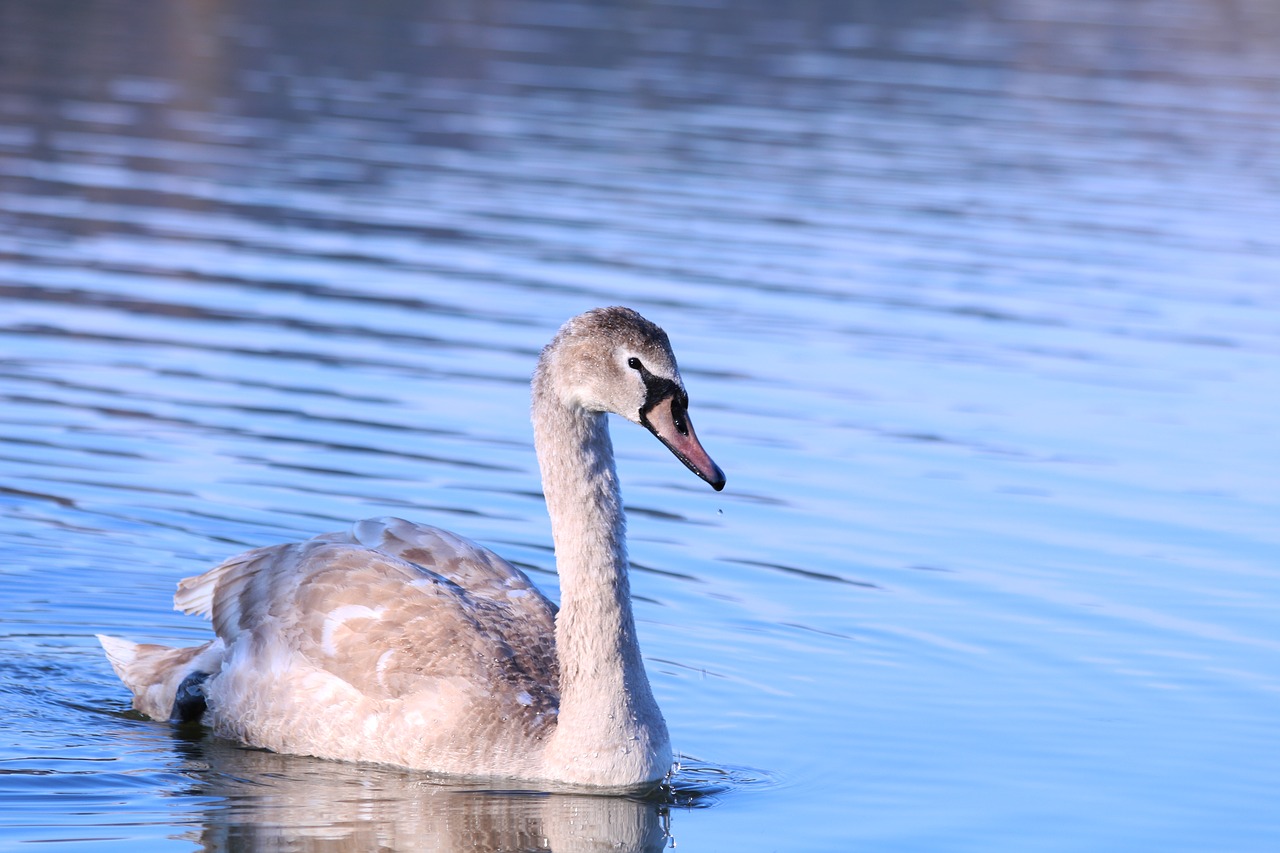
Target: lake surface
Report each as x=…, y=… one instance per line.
x=978, y=305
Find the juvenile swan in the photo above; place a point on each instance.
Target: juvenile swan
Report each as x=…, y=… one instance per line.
x=405, y=644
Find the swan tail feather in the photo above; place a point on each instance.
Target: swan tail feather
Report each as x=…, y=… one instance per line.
x=165, y=682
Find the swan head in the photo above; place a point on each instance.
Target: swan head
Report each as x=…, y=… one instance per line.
x=614, y=360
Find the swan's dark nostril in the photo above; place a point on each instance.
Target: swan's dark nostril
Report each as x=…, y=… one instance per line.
x=678, y=418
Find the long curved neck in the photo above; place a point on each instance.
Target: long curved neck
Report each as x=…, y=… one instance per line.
x=606, y=704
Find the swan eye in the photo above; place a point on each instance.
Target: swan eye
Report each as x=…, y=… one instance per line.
x=634, y=363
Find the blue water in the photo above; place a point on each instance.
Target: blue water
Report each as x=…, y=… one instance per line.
x=978, y=306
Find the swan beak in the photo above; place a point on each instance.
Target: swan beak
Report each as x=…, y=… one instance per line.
x=669, y=421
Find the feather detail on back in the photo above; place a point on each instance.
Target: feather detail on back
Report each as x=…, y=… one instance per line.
x=385, y=570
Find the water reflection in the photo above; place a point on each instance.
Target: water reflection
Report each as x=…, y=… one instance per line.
x=270, y=802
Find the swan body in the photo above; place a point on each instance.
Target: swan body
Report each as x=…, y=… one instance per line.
x=406, y=644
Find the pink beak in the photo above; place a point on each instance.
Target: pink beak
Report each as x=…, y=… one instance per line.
x=669, y=421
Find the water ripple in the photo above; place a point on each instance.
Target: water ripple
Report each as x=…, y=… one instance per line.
x=976, y=305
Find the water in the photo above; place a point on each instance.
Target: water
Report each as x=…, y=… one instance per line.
x=978, y=309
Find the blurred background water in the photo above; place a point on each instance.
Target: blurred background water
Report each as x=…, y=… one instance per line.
x=978, y=304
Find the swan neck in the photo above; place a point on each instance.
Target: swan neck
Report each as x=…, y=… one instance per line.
x=606, y=704
x=581, y=488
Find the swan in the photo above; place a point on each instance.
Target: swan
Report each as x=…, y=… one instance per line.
x=405, y=644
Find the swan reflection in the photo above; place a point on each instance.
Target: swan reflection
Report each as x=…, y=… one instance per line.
x=268, y=802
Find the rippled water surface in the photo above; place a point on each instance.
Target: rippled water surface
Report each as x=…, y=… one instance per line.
x=978, y=305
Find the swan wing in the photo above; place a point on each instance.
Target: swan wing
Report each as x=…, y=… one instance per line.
x=478, y=570
x=391, y=608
